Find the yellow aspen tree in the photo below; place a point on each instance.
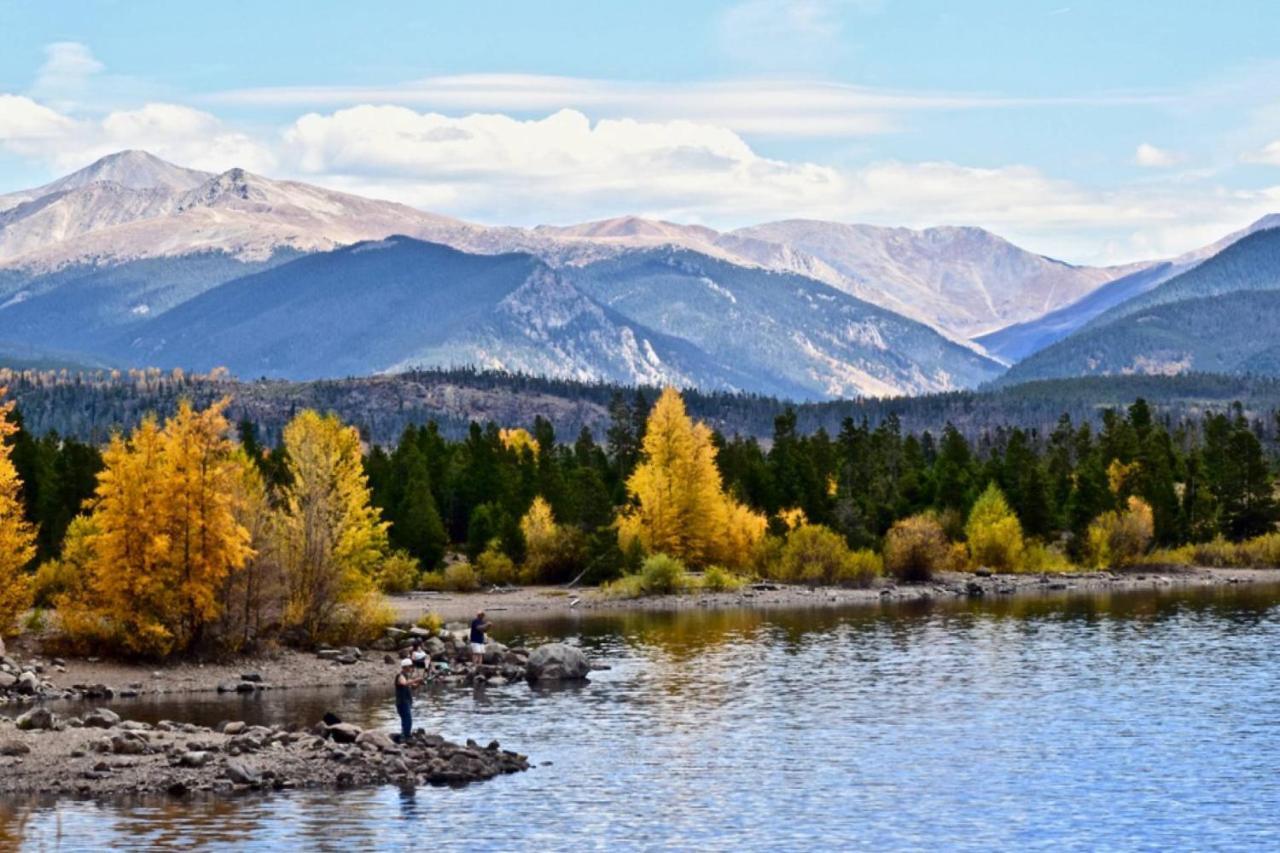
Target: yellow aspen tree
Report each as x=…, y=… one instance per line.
x=207, y=543
x=129, y=598
x=17, y=535
x=332, y=538
x=518, y=440
x=679, y=504
x=164, y=538
x=540, y=536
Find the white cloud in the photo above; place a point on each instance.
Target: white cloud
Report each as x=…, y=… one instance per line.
x=1268, y=154
x=762, y=107
x=564, y=168
x=1151, y=157
x=23, y=121
x=68, y=69
x=179, y=133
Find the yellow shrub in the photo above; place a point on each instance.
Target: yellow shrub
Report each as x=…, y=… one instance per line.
x=1038, y=558
x=496, y=568
x=1262, y=551
x=816, y=555
x=994, y=532
x=861, y=568
x=398, y=573
x=431, y=581
x=430, y=621
x=461, y=577
x=915, y=548
x=1121, y=538
x=360, y=621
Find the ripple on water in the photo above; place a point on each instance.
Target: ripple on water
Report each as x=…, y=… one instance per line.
x=1133, y=722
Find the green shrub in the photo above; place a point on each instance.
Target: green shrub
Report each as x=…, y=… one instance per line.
x=915, y=548
x=662, y=575
x=718, y=579
x=461, y=577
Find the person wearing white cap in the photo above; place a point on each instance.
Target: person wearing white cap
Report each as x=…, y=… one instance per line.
x=405, y=682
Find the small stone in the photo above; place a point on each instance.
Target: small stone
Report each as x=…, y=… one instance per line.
x=195, y=758
x=241, y=774
x=36, y=718
x=14, y=747
x=252, y=677
x=101, y=718
x=233, y=728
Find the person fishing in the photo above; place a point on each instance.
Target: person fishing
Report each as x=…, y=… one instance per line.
x=405, y=682
x=478, y=627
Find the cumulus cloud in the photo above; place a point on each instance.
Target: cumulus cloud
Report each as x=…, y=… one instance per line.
x=1151, y=157
x=24, y=122
x=179, y=133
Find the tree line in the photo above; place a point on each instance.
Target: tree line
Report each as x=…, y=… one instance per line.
x=191, y=532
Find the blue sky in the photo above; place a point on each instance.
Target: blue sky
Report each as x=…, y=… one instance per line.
x=1091, y=131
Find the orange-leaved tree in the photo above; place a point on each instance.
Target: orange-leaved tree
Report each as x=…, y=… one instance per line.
x=679, y=506
x=17, y=535
x=165, y=536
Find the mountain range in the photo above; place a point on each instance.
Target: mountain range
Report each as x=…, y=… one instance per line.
x=133, y=261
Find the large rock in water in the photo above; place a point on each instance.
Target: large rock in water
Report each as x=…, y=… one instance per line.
x=557, y=662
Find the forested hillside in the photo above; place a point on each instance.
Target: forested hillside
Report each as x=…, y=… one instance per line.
x=90, y=406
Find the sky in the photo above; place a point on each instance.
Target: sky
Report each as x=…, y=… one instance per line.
x=1095, y=132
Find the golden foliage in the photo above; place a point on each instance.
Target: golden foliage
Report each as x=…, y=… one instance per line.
x=994, y=532
x=680, y=506
x=331, y=539
x=915, y=548
x=496, y=568
x=816, y=555
x=1121, y=538
x=518, y=440
x=164, y=537
x=1120, y=475
x=157, y=534
x=792, y=518
x=17, y=535
x=541, y=538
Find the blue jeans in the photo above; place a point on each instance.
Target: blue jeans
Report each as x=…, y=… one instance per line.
x=406, y=720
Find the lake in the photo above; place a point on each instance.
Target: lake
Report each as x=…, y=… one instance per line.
x=1139, y=722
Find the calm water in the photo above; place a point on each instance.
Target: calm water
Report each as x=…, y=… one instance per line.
x=1114, y=722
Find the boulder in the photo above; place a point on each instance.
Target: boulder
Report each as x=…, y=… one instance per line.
x=434, y=647
x=130, y=743
x=195, y=758
x=417, y=631
x=28, y=683
x=343, y=732
x=35, y=719
x=14, y=747
x=557, y=662
x=7, y=680
x=494, y=653
x=379, y=740
x=101, y=718
x=241, y=774
x=233, y=728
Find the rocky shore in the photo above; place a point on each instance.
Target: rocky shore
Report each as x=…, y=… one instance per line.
x=555, y=602
x=99, y=755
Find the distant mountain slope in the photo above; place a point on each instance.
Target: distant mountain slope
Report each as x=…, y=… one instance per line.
x=1231, y=333
x=964, y=280
x=81, y=307
x=1111, y=300
x=1252, y=263
x=1014, y=343
x=400, y=302
x=780, y=325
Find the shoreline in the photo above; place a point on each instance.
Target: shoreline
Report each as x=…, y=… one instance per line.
x=534, y=603
x=284, y=668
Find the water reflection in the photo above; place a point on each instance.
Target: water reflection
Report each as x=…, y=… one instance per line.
x=1083, y=721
